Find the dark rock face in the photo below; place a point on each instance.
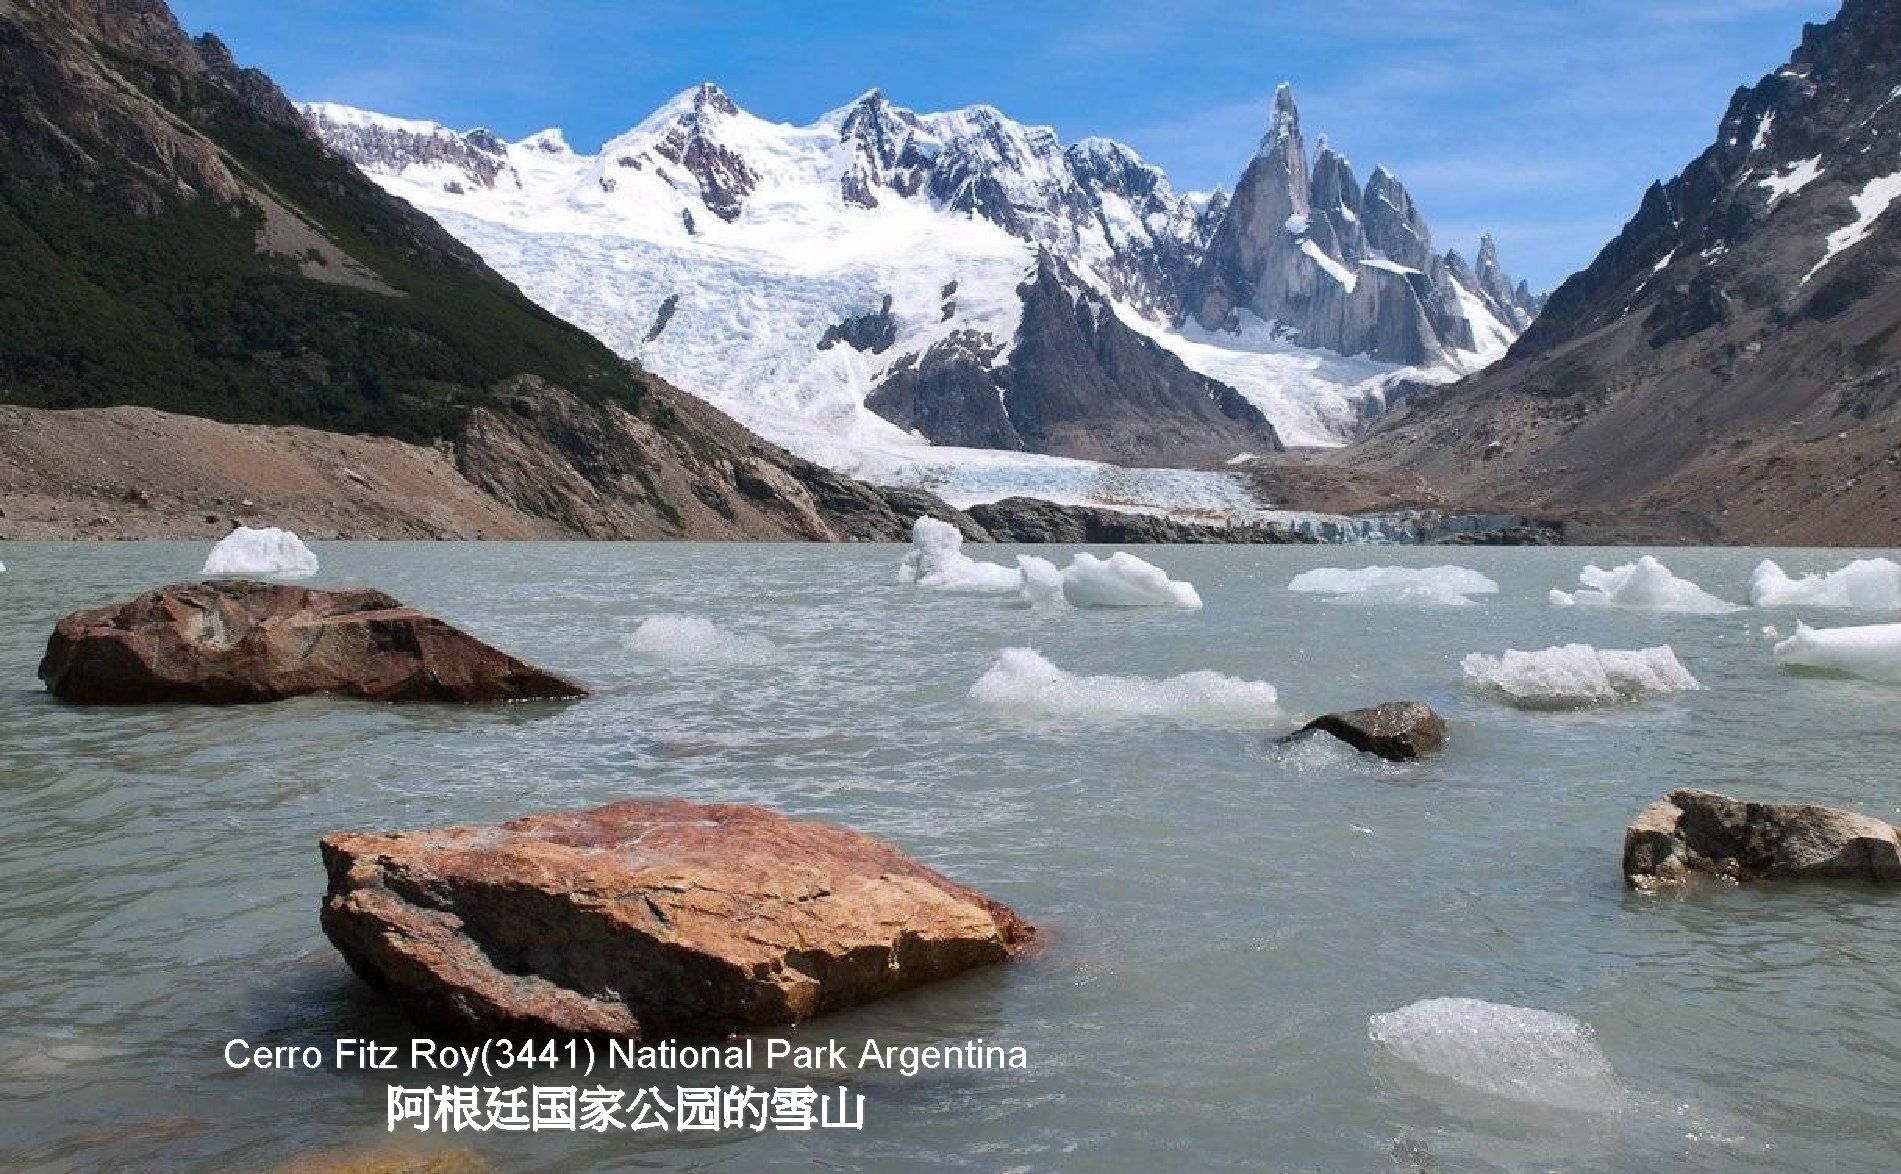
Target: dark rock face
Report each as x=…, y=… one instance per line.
x=645, y=919
x=1398, y=731
x=1029, y=520
x=1078, y=383
x=1709, y=365
x=236, y=642
x=724, y=177
x=1692, y=832
x=1337, y=266
x=874, y=331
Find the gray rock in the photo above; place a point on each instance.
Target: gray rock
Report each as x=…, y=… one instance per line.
x=1690, y=832
x=1398, y=731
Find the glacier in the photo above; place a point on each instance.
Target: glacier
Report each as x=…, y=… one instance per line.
x=724, y=252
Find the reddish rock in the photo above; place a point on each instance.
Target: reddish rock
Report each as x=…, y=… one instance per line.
x=647, y=918
x=234, y=641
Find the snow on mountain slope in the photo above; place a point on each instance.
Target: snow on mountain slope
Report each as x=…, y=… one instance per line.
x=786, y=273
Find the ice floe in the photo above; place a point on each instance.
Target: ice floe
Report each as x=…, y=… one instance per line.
x=1443, y=586
x=937, y=560
x=1024, y=681
x=1042, y=582
x=1646, y=584
x=696, y=640
x=263, y=551
x=1576, y=676
x=1518, y=1054
x=1866, y=582
x=1870, y=651
x=1123, y=580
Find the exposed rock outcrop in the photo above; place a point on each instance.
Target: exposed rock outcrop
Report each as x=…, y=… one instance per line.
x=647, y=918
x=1334, y=265
x=1398, y=731
x=1031, y=520
x=234, y=641
x=1078, y=383
x=1690, y=832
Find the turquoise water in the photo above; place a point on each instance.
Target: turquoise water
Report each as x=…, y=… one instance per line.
x=1221, y=915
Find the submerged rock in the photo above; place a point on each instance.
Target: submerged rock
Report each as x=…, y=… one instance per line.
x=1398, y=731
x=1690, y=831
x=238, y=641
x=647, y=918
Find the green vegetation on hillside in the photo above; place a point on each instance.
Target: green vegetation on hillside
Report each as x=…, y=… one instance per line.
x=181, y=311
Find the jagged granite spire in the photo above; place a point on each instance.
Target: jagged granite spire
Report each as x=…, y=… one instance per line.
x=1334, y=265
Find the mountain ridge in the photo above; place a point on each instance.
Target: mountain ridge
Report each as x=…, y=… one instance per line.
x=932, y=223
x=1731, y=359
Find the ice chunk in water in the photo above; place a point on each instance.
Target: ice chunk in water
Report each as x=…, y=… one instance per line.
x=265, y=551
x=937, y=560
x=1518, y=1054
x=1871, y=651
x=1575, y=676
x=1123, y=580
x=1645, y=583
x=696, y=640
x=1866, y=582
x=1445, y=586
x=1023, y=680
x=1042, y=582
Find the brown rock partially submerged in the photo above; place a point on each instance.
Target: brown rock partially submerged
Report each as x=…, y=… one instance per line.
x=647, y=918
x=1691, y=832
x=1398, y=731
x=235, y=641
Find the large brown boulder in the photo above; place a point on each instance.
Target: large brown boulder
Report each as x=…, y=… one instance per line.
x=1690, y=832
x=1398, y=731
x=647, y=918
x=233, y=641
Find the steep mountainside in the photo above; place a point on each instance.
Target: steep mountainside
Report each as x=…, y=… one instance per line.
x=1345, y=268
x=172, y=235
x=1730, y=365
x=856, y=286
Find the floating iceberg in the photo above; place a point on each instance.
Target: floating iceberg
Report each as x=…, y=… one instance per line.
x=937, y=559
x=1518, y=1054
x=1042, y=582
x=1576, y=676
x=1645, y=583
x=1447, y=586
x=1871, y=652
x=1866, y=582
x=695, y=640
x=266, y=551
x=1022, y=680
x=1123, y=580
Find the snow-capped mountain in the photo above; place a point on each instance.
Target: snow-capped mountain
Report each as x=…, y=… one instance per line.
x=882, y=278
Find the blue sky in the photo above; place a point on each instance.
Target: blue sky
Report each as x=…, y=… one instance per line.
x=1541, y=122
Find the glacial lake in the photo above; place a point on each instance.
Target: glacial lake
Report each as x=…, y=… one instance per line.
x=1220, y=915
